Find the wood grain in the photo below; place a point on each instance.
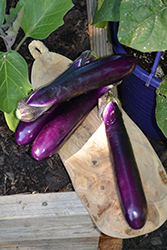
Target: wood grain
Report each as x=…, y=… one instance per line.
x=51, y=221
x=109, y=243
x=92, y=175
x=100, y=39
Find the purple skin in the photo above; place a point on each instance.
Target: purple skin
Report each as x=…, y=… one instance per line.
x=28, y=113
x=128, y=179
x=85, y=58
x=27, y=131
x=55, y=133
x=94, y=75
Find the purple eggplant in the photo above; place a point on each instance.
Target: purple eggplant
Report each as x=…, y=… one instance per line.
x=94, y=75
x=55, y=133
x=28, y=113
x=27, y=131
x=86, y=57
x=132, y=197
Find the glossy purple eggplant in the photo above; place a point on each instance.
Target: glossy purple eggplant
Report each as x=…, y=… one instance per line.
x=28, y=113
x=94, y=75
x=86, y=57
x=27, y=131
x=55, y=133
x=132, y=197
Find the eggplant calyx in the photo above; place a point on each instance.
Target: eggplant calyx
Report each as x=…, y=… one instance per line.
x=105, y=100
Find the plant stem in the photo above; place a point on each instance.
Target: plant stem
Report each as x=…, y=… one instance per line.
x=20, y=43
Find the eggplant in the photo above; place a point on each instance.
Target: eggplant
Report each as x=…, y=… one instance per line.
x=53, y=135
x=130, y=189
x=86, y=57
x=28, y=113
x=27, y=131
x=94, y=75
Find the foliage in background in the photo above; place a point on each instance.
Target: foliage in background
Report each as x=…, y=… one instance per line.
x=161, y=106
x=142, y=23
x=37, y=19
x=106, y=10
x=142, y=26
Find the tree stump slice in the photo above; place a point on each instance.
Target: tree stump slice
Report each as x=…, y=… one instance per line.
x=92, y=175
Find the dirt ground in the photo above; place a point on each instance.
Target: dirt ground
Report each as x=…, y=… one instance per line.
x=19, y=172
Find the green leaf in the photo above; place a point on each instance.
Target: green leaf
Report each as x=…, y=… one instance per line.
x=107, y=10
x=143, y=24
x=2, y=10
x=11, y=33
x=14, y=83
x=11, y=17
x=13, y=30
x=43, y=17
x=161, y=106
x=11, y=120
x=101, y=24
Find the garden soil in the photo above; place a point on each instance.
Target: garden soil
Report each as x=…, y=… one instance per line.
x=19, y=172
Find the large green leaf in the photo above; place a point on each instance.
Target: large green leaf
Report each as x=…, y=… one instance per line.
x=14, y=83
x=161, y=106
x=143, y=24
x=2, y=10
x=43, y=17
x=107, y=10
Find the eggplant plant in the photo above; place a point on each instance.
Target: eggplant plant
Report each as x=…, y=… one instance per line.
x=37, y=19
x=143, y=27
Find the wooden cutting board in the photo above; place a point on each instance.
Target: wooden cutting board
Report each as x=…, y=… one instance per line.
x=86, y=157
x=92, y=175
